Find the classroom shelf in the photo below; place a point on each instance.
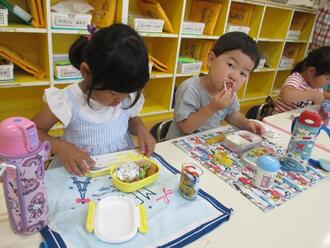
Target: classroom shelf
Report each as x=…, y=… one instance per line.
x=259, y=85
x=270, y=24
x=272, y=51
x=276, y=22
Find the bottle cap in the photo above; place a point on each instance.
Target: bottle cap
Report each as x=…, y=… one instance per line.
x=268, y=163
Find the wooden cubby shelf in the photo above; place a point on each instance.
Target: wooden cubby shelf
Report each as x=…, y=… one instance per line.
x=280, y=31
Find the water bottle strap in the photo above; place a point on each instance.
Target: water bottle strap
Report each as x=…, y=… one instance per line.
x=52, y=238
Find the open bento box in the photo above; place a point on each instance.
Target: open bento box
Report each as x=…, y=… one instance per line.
x=146, y=166
x=116, y=219
x=129, y=171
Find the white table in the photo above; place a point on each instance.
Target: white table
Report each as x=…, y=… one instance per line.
x=303, y=221
x=283, y=122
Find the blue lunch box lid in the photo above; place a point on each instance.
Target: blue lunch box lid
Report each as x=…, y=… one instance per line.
x=268, y=163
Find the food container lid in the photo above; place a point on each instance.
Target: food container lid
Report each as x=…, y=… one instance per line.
x=268, y=163
x=114, y=219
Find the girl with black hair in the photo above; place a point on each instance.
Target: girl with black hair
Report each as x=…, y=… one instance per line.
x=304, y=86
x=101, y=111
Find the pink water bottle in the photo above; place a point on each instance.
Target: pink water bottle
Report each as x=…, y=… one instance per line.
x=23, y=179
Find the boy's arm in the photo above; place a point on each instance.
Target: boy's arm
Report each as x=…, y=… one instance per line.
x=239, y=120
x=291, y=94
x=196, y=119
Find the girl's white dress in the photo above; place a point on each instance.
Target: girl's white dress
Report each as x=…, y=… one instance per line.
x=97, y=128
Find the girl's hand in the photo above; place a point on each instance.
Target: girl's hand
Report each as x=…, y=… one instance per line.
x=221, y=100
x=254, y=127
x=317, y=97
x=146, y=142
x=76, y=160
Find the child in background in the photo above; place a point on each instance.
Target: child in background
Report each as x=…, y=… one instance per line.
x=202, y=102
x=304, y=86
x=99, y=112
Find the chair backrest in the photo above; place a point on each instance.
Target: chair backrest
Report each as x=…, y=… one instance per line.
x=261, y=111
x=159, y=130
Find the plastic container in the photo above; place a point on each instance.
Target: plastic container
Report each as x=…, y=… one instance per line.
x=195, y=28
x=70, y=20
x=267, y=168
x=6, y=72
x=133, y=186
x=234, y=28
x=305, y=130
x=250, y=157
x=116, y=219
x=193, y=67
x=3, y=17
x=63, y=69
x=23, y=179
x=286, y=62
x=241, y=141
x=145, y=24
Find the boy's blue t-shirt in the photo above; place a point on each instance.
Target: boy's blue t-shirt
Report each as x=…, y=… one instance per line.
x=190, y=97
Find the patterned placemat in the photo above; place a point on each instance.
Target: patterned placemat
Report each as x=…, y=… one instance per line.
x=286, y=186
x=173, y=221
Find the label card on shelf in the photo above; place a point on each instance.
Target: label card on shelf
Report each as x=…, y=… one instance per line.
x=232, y=28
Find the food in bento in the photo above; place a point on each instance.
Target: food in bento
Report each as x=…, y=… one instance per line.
x=134, y=171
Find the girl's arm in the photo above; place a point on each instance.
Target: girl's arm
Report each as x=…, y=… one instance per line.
x=239, y=120
x=44, y=121
x=145, y=139
x=326, y=94
x=75, y=160
x=291, y=94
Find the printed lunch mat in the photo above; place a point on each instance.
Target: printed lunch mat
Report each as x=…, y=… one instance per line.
x=173, y=221
x=286, y=184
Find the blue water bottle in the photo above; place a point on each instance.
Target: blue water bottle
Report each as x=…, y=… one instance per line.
x=305, y=130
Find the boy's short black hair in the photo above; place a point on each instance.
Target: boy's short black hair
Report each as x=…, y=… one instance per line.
x=237, y=41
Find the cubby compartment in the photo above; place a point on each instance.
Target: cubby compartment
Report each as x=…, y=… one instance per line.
x=276, y=23
x=172, y=10
x=292, y=54
x=245, y=18
x=33, y=48
x=280, y=78
x=164, y=51
x=157, y=94
x=16, y=24
x=259, y=85
x=301, y=26
x=211, y=12
x=23, y=101
x=61, y=46
x=197, y=49
x=271, y=51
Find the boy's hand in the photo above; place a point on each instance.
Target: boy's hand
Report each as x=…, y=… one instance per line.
x=146, y=142
x=254, y=127
x=76, y=160
x=221, y=100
